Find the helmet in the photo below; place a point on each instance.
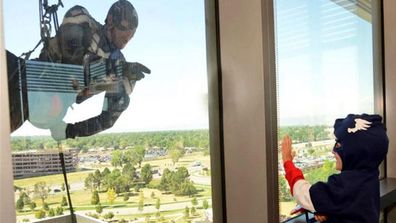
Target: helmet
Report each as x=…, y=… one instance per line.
x=123, y=15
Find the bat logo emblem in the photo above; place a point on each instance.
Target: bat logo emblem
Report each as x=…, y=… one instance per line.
x=360, y=124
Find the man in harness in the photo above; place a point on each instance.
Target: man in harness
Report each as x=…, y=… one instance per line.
x=81, y=40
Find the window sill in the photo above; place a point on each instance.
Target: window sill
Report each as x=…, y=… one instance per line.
x=387, y=192
x=301, y=219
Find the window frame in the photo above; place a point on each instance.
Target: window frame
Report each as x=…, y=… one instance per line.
x=215, y=111
x=220, y=71
x=378, y=79
x=249, y=110
x=7, y=206
x=389, y=67
x=234, y=64
x=7, y=210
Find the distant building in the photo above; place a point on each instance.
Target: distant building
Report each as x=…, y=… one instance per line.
x=37, y=163
x=155, y=153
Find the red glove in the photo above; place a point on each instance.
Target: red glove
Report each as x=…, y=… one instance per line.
x=293, y=174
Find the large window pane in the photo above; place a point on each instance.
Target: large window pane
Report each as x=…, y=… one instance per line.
x=324, y=52
x=153, y=164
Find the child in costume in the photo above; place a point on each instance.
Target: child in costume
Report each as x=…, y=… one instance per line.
x=353, y=195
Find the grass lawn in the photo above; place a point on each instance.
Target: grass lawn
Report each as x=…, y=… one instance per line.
x=56, y=179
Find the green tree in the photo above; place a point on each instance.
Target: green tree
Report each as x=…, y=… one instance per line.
x=194, y=201
x=180, y=184
x=59, y=210
x=51, y=212
x=141, y=201
x=158, y=204
x=97, y=179
x=186, y=212
x=109, y=215
x=19, y=204
x=193, y=211
x=111, y=195
x=126, y=197
x=205, y=204
x=112, y=180
x=117, y=181
x=140, y=152
x=131, y=157
x=32, y=205
x=175, y=155
x=63, y=187
x=26, y=199
x=187, y=188
x=46, y=206
x=129, y=172
x=165, y=180
x=41, y=190
x=105, y=172
x=181, y=174
x=64, y=201
x=117, y=158
x=95, y=198
x=39, y=214
x=99, y=208
x=89, y=182
x=146, y=173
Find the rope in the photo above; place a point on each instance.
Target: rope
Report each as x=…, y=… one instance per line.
x=62, y=159
x=50, y=15
x=27, y=54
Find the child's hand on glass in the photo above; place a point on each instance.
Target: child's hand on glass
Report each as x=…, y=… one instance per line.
x=287, y=150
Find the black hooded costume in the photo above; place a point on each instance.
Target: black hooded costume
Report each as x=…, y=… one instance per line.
x=352, y=196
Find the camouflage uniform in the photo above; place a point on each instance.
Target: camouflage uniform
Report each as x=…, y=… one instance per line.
x=79, y=36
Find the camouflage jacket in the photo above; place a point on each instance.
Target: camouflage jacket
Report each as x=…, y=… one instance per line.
x=78, y=35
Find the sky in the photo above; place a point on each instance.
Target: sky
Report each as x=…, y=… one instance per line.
x=170, y=40
x=324, y=62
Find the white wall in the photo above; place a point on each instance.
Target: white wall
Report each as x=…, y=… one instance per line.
x=7, y=211
x=390, y=90
x=245, y=52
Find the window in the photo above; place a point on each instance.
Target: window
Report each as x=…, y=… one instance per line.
x=326, y=69
x=154, y=163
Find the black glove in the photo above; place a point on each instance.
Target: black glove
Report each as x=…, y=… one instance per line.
x=135, y=71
